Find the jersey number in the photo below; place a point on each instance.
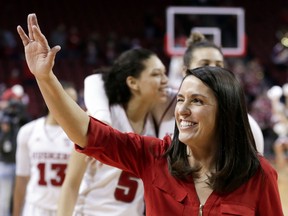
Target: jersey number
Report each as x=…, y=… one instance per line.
x=60, y=174
x=127, y=188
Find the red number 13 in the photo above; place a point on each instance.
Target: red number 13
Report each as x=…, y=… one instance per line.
x=60, y=173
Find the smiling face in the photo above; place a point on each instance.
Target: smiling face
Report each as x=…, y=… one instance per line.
x=196, y=113
x=152, y=83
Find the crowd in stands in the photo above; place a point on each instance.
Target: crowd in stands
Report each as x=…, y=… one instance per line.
x=80, y=56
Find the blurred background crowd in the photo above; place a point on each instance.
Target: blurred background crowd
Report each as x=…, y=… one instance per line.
x=93, y=33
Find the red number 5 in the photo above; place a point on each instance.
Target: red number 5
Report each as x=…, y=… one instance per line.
x=127, y=187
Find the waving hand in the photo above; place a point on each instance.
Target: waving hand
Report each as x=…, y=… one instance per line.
x=40, y=59
x=39, y=56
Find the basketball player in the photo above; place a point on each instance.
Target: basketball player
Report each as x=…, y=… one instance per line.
x=43, y=150
x=134, y=84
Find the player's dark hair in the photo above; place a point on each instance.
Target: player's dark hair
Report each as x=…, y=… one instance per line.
x=129, y=63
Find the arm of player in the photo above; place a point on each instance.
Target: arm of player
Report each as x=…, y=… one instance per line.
x=40, y=59
x=70, y=188
x=95, y=98
x=19, y=194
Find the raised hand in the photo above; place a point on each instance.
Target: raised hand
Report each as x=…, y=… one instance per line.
x=39, y=56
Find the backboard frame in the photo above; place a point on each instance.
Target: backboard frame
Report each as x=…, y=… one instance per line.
x=239, y=50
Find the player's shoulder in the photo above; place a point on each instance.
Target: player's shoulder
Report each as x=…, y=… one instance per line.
x=93, y=77
x=30, y=125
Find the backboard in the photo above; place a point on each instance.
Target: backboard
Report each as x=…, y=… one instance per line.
x=223, y=25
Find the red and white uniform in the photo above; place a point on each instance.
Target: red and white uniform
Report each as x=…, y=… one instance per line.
x=106, y=190
x=42, y=153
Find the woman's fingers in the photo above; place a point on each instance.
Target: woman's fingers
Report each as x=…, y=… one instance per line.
x=25, y=39
x=35, y=21
x=31, y=22
x=30, y=25
x=39, y=37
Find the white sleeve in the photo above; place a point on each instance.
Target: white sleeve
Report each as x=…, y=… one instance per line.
x=257, y=133
x=95, y=98
x=22, y=151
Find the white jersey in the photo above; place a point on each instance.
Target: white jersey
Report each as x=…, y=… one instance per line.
x=106, y=190
x=42, y=153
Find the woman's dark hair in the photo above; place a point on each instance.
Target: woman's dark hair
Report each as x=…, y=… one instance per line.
x=236, y=159
x=129, y=63
x=195, y=41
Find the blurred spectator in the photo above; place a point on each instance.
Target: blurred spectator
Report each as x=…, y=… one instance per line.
x=280, y=119
x=7, y=44
x=59, y=37
x=261, y=111
x=279, y=54
x=14, y=76
x=253, y=80
x=8, y=134
x=74, y=43
x=91, y=52
x=13, y=104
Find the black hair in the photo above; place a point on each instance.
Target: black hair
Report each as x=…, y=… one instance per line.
x=236, y=159
x=129, y=63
